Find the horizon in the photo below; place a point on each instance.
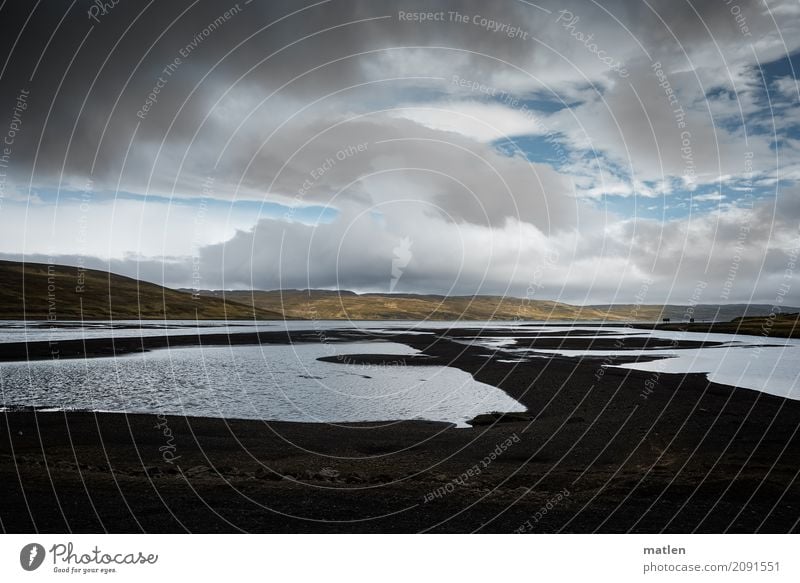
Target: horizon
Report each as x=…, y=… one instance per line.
x=190, y=290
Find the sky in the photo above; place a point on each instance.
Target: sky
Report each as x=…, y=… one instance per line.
x=587, y=152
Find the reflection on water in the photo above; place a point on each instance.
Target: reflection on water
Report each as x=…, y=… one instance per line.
x=274, y=382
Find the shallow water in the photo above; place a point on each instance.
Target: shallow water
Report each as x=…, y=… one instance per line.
x=769, y=365
x=39, y=330
x=773, y=370
x=288, y=383
x=274, y=382
x=42, y=330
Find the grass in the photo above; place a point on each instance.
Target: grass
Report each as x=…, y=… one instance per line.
x=332, y=305
x=58, y=292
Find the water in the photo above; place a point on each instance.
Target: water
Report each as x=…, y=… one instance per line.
x=39, y=330
x=273, y=382
x=281, y=382
x=33, y=331
x=773, y=370
x=769, y=365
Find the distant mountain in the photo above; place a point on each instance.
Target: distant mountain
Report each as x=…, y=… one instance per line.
x=67, y=293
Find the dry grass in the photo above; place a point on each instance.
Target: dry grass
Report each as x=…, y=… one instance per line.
x=56, y=292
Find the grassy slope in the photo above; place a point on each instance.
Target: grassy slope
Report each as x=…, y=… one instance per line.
x=107, y=295
x=104, y=295
x=326, y=305
x=333, y=305
x=677, y=313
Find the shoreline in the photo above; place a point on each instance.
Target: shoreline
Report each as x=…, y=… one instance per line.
x=102, y=347
x=688, y=455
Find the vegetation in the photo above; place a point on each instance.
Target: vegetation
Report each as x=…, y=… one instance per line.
x=333, y=305
x=57, y=292
x=60, y=292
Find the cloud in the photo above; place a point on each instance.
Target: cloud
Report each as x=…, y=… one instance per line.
x=348, y=106
x=739, y=253
x=483, y=122
x=114, y=229
x=351, y=56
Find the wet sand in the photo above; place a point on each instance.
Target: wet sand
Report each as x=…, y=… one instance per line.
x=600, y=449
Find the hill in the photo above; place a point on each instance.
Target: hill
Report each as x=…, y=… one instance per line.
x=678, y=313
x=341, y=305
x=59, y=292
x=334, y=305
x=68, y=293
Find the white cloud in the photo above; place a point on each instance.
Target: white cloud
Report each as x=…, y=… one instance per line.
x=115, y=229
x=711, y=196
x=483, y=122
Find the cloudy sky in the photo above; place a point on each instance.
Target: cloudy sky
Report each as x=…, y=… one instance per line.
x=570, y=150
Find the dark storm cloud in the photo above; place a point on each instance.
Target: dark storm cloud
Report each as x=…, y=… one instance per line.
x=92, y=76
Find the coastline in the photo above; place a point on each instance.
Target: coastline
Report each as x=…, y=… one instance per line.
x=684, y=455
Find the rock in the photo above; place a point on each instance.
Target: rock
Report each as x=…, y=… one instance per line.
x=327, y=474
x=267, y=474
x=197, y=470
x=355, y=478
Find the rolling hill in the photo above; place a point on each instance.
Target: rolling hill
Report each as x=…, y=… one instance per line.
x=678, y=313
x=341, y=305
x=68, y=293
x=59, y=292
x=338, y=305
